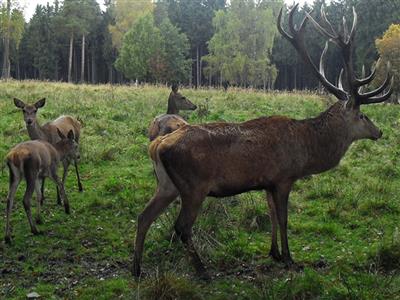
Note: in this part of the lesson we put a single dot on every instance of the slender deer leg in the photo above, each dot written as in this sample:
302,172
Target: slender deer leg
77,176
274,252
39,199
163,197
30,187
190,209
280,198
42,191
14,182
60,190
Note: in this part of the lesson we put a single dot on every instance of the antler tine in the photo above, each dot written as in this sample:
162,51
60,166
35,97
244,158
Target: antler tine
379,99
297,40
353,28
370,77
340,80
381,89
280,28
346,36
320,28
322,59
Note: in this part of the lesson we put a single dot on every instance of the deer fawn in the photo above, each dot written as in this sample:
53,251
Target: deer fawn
35,160
48,131
171,121
268,153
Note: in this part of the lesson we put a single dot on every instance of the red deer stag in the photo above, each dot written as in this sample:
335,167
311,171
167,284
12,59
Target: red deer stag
268,153
33,161
171,121
48,132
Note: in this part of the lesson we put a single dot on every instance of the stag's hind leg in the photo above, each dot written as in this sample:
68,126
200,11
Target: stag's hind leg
14,182
274,252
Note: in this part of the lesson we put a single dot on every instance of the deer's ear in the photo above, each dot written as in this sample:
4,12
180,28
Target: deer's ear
174,88
40,103
60,134
71,135
19,103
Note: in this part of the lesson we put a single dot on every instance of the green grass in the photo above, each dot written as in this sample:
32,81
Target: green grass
343,224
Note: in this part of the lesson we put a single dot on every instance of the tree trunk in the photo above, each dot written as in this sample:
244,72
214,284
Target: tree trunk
94,79
6,52
71,43
83,60
197,66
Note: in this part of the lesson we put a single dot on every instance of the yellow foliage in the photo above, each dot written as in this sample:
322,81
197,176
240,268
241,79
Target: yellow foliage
126,14
389,49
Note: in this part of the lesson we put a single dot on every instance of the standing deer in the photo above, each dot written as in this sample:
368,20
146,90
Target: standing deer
48,132
171,121
33,161
268,153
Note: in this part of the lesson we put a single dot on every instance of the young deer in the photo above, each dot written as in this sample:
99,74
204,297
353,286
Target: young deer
33,161
268,153
171,121
48,131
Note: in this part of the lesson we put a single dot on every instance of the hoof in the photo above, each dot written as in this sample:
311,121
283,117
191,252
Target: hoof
39,221
67,210
80,188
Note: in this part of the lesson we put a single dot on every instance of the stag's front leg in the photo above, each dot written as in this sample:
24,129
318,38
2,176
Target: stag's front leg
280,198
274,252
183,227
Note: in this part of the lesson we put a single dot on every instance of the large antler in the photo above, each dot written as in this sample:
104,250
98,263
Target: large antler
344,41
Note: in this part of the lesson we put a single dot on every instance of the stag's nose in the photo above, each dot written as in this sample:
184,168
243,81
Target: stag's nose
29,121
194,107
380,133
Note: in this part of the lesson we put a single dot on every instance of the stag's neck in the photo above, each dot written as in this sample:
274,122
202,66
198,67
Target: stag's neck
329,139
36,132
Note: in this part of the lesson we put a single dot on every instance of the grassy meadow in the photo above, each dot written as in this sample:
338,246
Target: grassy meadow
343,224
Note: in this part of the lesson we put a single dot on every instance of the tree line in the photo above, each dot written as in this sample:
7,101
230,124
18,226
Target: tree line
192,42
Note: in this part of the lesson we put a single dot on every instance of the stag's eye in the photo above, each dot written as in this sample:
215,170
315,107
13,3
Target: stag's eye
361,117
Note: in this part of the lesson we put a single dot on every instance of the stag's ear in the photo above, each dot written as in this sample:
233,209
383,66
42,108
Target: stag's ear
19,103
40,103
60,134
71,135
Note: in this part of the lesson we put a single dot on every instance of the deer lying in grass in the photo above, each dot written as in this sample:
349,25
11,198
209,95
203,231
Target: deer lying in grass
171,121
48,132
268,153
33,161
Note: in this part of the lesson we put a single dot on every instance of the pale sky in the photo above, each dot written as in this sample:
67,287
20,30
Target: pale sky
30,5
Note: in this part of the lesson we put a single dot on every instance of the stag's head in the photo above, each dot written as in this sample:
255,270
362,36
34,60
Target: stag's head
177,102
349,89
69,146
29,111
